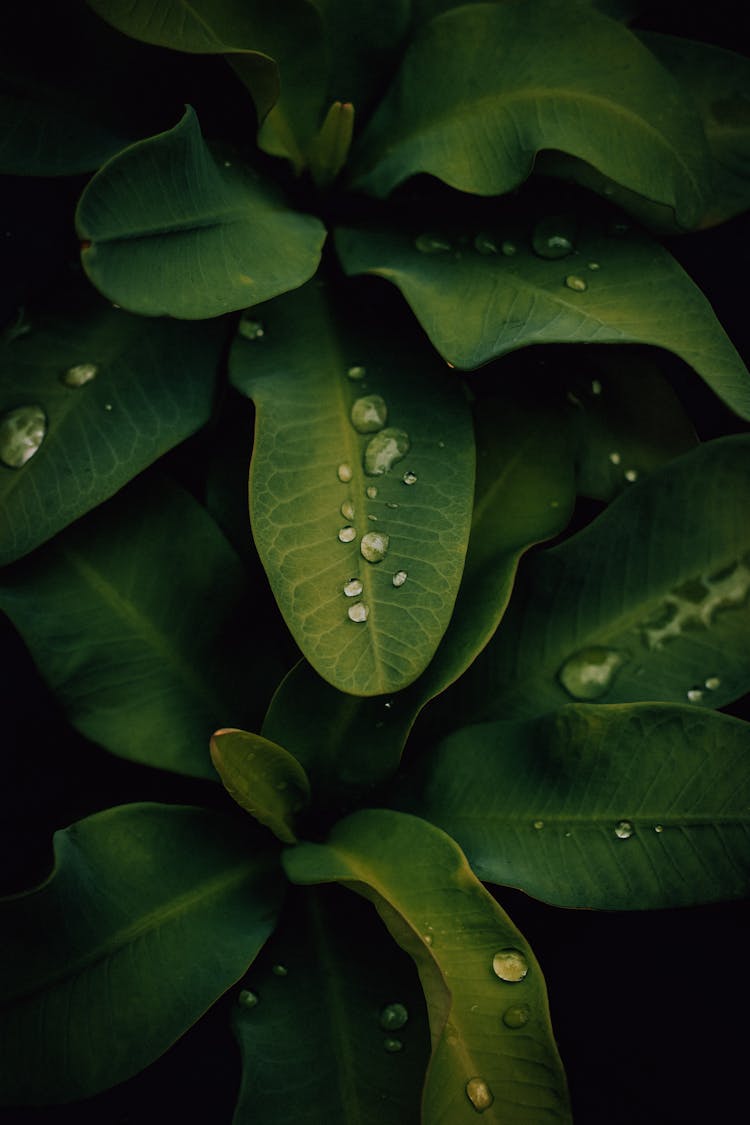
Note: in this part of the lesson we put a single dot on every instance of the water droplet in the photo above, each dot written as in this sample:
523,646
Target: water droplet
374,546
615,458
516,1016
712,683
247,998
695,695
353,588
393,1016
658,828
371,491
539,824
409,477
508,248
590,673
358,612
372,517
596,387
22,431
250,328
390,505
356,372
392,1045
576,283
384,450
427,939
369,414
280,970
485,244
388,704
553,238
594,266
432,244
80,374
399,578
347,510
631,475
347,534
623,830
344,473
510,965
479,1094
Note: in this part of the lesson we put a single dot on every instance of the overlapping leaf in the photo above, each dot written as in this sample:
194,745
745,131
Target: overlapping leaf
308,467
481,293
152,385
624,807
167,231
263,778
484,87
152,911
492,1045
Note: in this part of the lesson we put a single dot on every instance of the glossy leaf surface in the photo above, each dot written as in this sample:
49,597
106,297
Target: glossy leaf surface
309,464
625,807
262,778
485,1029
474,102
478,304
153,386
167,231
151,912
324,982
128,616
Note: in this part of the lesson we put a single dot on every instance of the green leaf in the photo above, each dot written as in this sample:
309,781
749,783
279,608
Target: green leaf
136,618
313,1047
485,1029
151,912
331,146
305,449
649,602
476,304
167,231
484,87
154,385
626,807
263,778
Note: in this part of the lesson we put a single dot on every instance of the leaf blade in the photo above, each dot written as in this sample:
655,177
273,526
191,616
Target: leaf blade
262,778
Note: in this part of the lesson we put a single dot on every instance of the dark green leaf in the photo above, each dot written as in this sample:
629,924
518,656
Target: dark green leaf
484,87
491,1035
167,231
136,618
477,302
152,911
153,386
626,807
263,778
309,465
323,1042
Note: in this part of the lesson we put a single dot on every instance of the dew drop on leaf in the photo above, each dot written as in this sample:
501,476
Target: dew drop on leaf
590,673
576,283
399,578
356,372
393,1017
485,244
247,998
694,695
432,244
347,534
384,450
374,546
631,475
22,431
409,477
510,965
596,387
347,510
371,491
80,374
623,830
353,588
479,1094
553,238
516,1016
358,612
369,414
594,266
250,328
392,1045
344,473
712,683
508,248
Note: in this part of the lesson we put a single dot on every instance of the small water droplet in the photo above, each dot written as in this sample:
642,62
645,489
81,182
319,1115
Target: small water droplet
399,578
712,683
631,475
22,431
347,510
390,505
373,518
108,407
479,1094
353,588
553,238
576,283
374,546
539,824
371,491
485,244
392,1045
80,374
596,387
393,1017
427,939
356,372
369,414
358,612
615,457
347,534
658,828
623,830
388,704
591,672
344,473
280,970
432,244
247,998
508,248
510,965
384,450
695,695
409,477
594,266
516,1016
250,328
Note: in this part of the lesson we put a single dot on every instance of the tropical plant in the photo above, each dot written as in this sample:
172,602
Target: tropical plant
498,497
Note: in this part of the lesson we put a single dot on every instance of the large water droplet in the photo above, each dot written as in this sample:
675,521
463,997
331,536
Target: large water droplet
356,372
399,578
516,1016
591,672
353,588
347,534
623,830
347,510
576,283
358,612
80,374
384,450
371,492
22,431
485,244
344,473
250,328
479,1094
409,477
374,546
393,1017
247,998
510,965
553,238
392,1045
432,244
369,414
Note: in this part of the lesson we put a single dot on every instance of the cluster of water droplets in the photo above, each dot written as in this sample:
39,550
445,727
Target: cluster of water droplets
693,605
